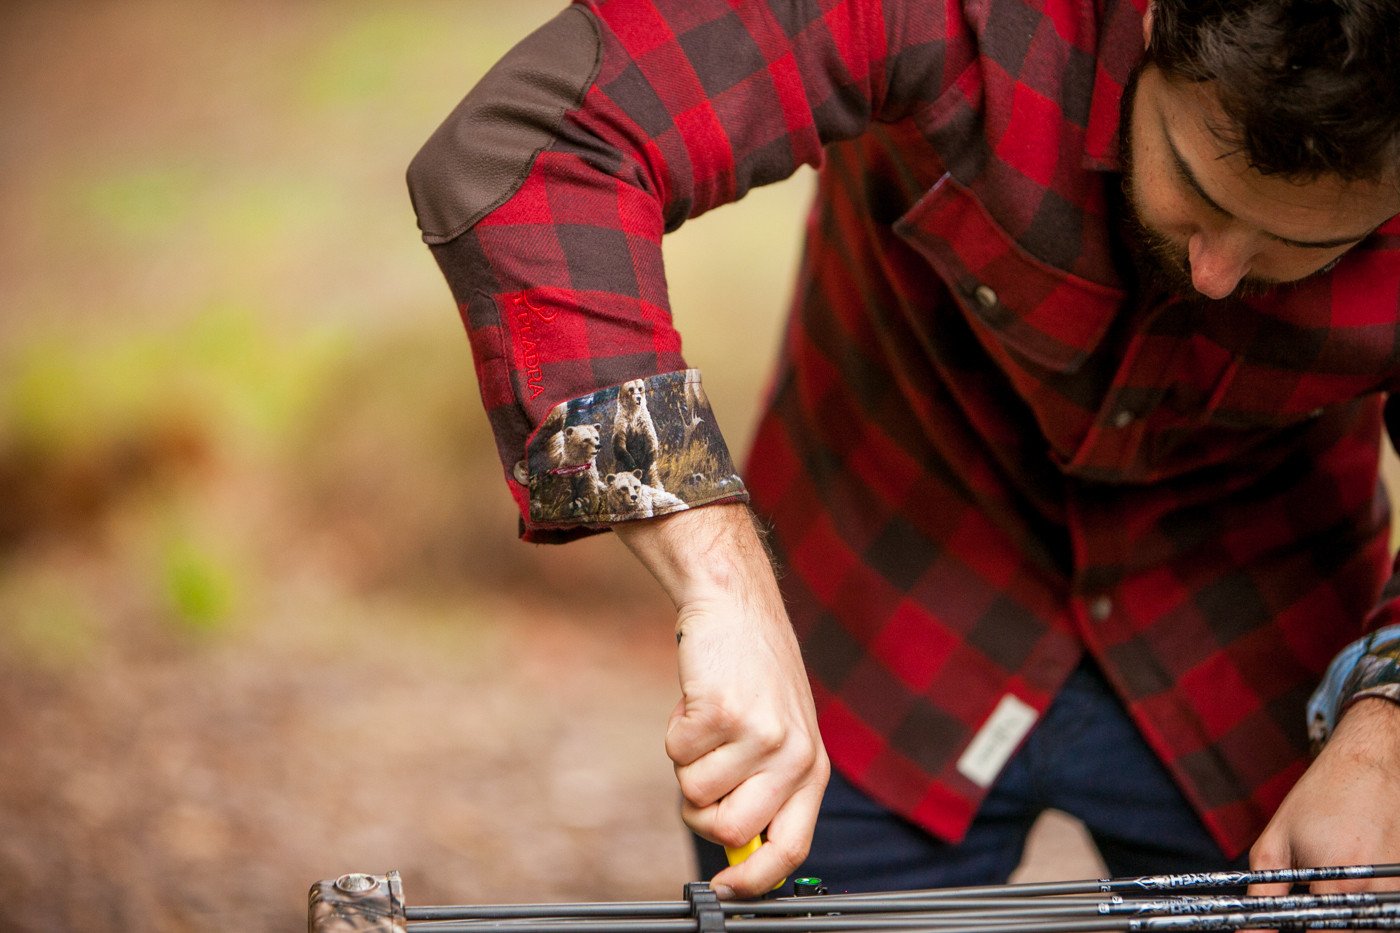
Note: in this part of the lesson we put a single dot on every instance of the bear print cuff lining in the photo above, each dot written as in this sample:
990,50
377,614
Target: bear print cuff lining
1368,667
645,448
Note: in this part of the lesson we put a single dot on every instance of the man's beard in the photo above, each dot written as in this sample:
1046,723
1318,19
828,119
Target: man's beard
1161,263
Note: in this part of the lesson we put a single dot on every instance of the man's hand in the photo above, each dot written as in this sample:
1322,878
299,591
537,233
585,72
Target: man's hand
744,735
1346,808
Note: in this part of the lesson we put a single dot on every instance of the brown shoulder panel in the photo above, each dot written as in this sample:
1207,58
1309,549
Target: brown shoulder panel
481,154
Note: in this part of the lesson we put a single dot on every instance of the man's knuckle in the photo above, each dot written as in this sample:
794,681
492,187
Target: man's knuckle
1268,851
695,788
802,768
769,735
695,821
813,762
699,793
675,749
692,797
729,832
792,855
713,718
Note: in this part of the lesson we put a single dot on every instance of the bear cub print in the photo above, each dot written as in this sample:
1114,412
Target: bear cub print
573,453
634,449
629,497
634,434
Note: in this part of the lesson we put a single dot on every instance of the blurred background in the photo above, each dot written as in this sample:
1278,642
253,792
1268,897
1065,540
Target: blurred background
263,615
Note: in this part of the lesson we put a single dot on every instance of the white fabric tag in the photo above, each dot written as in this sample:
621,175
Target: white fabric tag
996,740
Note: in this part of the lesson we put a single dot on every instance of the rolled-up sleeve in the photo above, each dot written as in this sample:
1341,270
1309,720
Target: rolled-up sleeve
545,195
1368,667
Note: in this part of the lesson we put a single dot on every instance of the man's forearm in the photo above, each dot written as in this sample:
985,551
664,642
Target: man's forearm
744,735
703,554
1372,724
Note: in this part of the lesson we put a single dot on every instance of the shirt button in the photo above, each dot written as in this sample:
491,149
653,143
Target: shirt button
985,297
1123,419
1100,608
521,473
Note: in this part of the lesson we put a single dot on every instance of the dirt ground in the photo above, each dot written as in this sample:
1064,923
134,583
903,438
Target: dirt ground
173,788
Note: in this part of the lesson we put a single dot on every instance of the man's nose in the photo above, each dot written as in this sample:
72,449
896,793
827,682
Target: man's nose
1218,263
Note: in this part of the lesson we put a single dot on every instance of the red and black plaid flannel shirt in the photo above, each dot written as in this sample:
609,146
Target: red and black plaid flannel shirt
987,451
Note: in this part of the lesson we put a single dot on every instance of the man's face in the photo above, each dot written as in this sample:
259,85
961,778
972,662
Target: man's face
1207,223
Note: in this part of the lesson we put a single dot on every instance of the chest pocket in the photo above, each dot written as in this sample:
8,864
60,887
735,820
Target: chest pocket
1038,324
1123,393
1044,315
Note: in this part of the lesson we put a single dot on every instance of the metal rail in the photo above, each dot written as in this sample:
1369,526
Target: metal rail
363,903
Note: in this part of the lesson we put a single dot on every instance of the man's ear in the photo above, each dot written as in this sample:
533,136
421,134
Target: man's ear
1147,24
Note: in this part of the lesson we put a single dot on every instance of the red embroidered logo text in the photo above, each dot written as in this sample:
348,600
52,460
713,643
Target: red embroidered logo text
525,316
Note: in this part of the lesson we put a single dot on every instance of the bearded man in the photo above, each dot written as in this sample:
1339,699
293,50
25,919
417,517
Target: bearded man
1071,456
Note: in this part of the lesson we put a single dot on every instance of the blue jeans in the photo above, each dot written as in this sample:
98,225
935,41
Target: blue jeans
1084,757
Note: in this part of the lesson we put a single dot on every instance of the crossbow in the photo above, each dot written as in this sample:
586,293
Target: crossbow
366,903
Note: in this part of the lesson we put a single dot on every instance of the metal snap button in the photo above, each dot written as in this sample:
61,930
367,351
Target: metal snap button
1101,608
985,297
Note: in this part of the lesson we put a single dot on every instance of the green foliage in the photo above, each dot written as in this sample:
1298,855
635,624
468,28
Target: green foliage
143,204
383,52
118,435
222,369
198,587
365,58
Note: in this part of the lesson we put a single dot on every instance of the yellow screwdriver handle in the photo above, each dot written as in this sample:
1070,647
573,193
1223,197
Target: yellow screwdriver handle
737,854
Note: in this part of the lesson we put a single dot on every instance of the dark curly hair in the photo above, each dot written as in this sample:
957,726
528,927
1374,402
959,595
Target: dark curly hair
1311,87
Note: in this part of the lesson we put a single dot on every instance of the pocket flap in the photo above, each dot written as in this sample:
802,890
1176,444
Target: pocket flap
1047,315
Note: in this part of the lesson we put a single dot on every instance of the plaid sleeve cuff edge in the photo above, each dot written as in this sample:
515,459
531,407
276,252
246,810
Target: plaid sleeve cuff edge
1368,667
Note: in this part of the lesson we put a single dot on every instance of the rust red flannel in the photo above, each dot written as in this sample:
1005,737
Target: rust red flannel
987,451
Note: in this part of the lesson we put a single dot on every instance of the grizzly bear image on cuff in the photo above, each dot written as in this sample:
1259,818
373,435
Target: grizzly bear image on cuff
644,448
